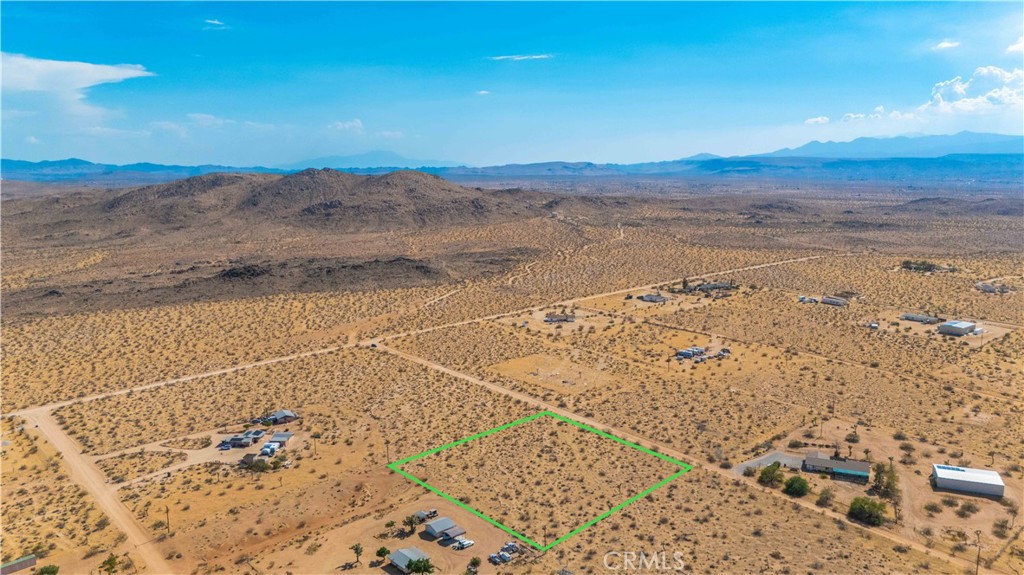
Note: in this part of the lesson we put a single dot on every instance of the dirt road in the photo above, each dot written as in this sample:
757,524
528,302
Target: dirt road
83,472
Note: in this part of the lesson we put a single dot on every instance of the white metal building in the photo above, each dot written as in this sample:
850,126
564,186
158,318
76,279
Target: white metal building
968,480
957,327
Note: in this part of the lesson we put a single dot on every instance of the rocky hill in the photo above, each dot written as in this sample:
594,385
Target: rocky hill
318,198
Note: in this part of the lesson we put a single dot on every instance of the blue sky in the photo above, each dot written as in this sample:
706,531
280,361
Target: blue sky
493,83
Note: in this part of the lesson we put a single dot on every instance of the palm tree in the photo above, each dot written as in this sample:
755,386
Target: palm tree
358,550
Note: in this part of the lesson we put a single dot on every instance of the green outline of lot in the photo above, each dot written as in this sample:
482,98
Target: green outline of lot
397,467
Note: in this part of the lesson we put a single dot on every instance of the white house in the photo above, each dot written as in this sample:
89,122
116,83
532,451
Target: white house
980,481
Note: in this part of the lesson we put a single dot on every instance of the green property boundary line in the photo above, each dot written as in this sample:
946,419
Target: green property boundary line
683,468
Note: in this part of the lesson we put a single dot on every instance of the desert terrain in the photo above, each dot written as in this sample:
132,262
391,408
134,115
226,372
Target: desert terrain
395,314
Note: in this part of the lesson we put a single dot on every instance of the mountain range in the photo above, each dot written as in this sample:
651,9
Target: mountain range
966,156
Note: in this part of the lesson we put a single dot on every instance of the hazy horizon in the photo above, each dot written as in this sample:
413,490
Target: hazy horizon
489,84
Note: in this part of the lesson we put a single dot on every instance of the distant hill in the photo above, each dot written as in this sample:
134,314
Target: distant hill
74,170
907,147
375,159
966,157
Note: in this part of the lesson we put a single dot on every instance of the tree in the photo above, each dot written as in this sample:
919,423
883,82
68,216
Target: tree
771,475
48,570
411,522
358,550
420,566
796,486
382,553
109,564
867,510
475,562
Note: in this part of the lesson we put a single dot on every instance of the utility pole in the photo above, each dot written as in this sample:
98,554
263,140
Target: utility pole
977,562
167,517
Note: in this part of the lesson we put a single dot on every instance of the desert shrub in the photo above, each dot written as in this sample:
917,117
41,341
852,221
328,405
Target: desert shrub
826,497
933,507
967,508
852,438
867,510
796,487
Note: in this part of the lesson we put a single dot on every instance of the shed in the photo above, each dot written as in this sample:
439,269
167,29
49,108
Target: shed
968,480
438,526
957,328
281,437
453,532
402,557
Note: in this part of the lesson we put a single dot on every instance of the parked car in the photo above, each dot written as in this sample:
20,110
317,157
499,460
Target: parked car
494,559
431,513
505,557
463,544
510,547
224,447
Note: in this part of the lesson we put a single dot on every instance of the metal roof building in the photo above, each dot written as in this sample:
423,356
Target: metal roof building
920,318
968,480
402,557
851,469
957,327
438,526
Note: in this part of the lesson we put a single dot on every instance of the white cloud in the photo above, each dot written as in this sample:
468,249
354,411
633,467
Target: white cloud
817,120
354,125
31,140
1018,46
67,81
902,116
851,117
172,127
946,45
207,120
877,113
482,92
215,24
989,89
521,57
391,134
